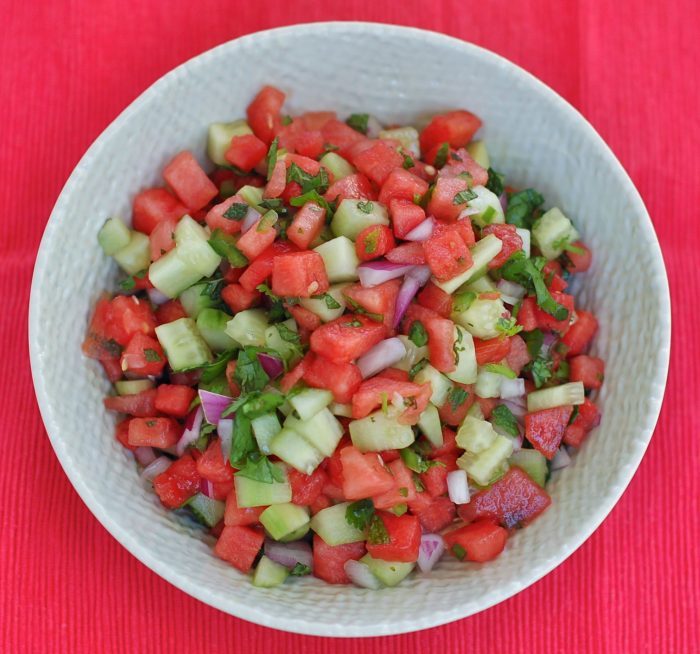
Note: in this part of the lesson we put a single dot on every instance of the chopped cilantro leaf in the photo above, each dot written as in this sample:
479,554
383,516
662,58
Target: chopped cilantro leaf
352,323
359,514
495,182
152,355
211,371
459,551
500,369
464,196
287,334
408,162
287,120
129,284
259,468
521,207
541,370
249,374
212,289
377,535
417,367
462,301
415,461
225,246
236,211
456,397
508,326
318,182
564,243
271,157
314,196
242,443
331,302
417,334
300,570
365,206
534,340
503,417
441,155
276,204
358,122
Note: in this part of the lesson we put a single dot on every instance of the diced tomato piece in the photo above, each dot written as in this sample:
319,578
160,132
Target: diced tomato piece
513,500
454,127
246,151
231,379
434,298
154,205
546,321
304,317
174,399
445,202
364,475
239,546
405,216
170,311
480,541
408,253
487,405
401,184
374,242
309,143
154,432
329,561
579,335
518,356
404,489
579,261
447,254
491,350
239,298
462,227
256,239
404,538
295,374
396,375
340,135
143,356
215,218
455,409
212,465
372,391
130,316
342,379
178,483
347,337
186,177
441,338
460,162
416,312
379,300
162,238
308,223
264,112
435,478
121,433
220,490
277,182
306,488
100,342
527,317
589,370
112,368
377,161
315,120
353,187
261,268
587,417
510,239
545,429
434,513
141,405
235,516
299,274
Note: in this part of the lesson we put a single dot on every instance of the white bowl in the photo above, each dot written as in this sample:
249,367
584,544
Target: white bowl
400,75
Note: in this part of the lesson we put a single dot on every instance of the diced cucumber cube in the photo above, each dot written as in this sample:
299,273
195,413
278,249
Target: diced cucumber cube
552,232
320,307
208,511
288,350
484,466
322,431
440,384
252,195
533,463
183,344
248,327
192,246
465,371
475,435
265,427
549,398
212,326
133,386
477,151
219,139
481,318
338,166
269,573
482,252
342,410
171,275
524,235
488,206
294,449
113,236
350,218
429,424
330,524
310,401
482,285
475,411
413,355
193,300
407,136
488,383
390,573
284,520
135,256
250,492
340,259
378,432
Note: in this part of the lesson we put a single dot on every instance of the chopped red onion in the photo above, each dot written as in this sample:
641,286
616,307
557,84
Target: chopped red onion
373,127
155,296
272,365
503,197
361,575
373,273
145,455
561,459
185,378
432,547
206,488
416,278
421,232
225,431
548,341
512,388
155,468
517,406
289,554
213,405
383,355
192,426
249,219
458,486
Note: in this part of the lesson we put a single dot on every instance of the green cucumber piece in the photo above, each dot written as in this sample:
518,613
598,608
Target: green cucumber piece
113,236
252,195
525,236
488,206
319,305
248,327
133,386
183,344
265,427
481,318
488,383
294,449
219,139
475,411
488,464
378,432
407,136
171,274
212,326
340,259
342,410
349,220
552,232
250,492
533,463
192,246
482,252
482,285
477,151
308,402
475,435
269,573
549,398
440,384
193,300
465,371
284,520
208,511
336,165
413,355
390,573
289,351
330,524
430,425
322,431
135,256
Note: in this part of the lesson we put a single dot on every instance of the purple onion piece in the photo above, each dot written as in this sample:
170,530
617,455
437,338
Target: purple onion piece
289,554
373,273
432,547
414,280
192,426
155,468
361,575
213,405
271,365
383,355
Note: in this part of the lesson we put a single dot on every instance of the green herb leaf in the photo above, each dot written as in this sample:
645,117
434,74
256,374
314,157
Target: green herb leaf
377,317
403,491
243,443
259,468
288,335
331,302
237,211
300,570
258,404
441,155
308,182
459,551
211,371
503,417
416,368
508,326
417,334
456,397
129,284
500,369
268,221
462,301
358,122
413,460
359,514
534,341
464,196
377,535
250,375
495,182
408,162
521,207
212,289
541,371
365,206
274,204
152,355
315,196
225,246
564,243
271,157
352,323
287,120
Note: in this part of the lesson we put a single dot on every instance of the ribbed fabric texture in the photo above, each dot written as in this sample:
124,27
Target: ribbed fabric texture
68,68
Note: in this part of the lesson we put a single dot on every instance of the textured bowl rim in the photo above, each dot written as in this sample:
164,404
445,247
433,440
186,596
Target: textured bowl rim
178,577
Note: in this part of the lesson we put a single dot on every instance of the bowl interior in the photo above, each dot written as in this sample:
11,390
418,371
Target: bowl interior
400,75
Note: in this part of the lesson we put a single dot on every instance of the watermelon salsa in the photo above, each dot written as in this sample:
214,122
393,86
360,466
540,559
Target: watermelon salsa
348,349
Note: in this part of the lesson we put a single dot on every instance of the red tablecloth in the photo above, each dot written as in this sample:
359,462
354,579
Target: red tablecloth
68,68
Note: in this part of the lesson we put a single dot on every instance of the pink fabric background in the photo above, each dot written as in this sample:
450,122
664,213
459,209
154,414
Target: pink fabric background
68,68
